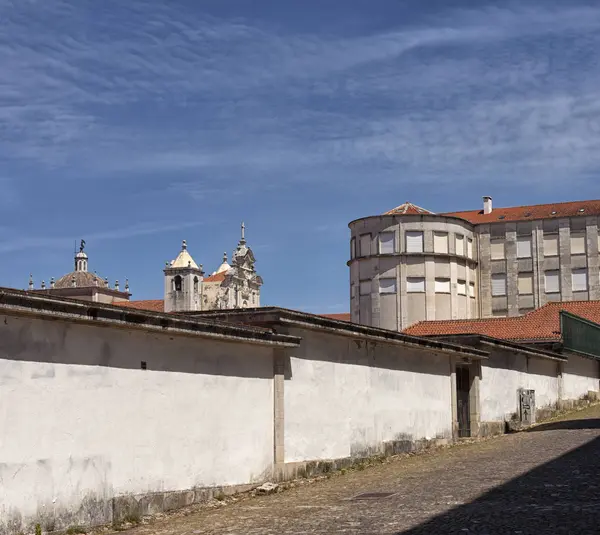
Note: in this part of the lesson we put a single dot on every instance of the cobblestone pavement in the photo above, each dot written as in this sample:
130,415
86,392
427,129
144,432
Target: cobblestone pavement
543,481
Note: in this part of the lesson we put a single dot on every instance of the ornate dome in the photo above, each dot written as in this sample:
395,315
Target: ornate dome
83,279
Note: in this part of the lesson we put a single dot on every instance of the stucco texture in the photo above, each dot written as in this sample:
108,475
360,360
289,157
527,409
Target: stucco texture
580,376
345,398
505,373
82,422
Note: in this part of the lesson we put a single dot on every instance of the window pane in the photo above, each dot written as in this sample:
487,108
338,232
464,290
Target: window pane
497,250
499,284
551,245
461,287
442,285
470,248
414,242
552,282
440,242
365,287
579,277
472,289
524,247
387,286
577,243
386,243
415,284
460,245
525,283
365,245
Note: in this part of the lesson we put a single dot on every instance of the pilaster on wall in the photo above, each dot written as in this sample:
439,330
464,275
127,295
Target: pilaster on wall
484,290
593,261
512,270
538,264
564,251
279,358
430,287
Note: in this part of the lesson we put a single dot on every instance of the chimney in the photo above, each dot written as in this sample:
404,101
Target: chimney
487,205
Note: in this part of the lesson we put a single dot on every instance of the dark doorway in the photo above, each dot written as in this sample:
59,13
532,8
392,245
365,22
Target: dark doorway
463,386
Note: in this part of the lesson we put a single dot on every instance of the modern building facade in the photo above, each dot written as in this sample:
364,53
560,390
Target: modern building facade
411,265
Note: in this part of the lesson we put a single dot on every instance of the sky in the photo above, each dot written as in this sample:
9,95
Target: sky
135,125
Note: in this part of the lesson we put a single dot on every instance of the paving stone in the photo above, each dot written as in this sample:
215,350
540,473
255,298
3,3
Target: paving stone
541,481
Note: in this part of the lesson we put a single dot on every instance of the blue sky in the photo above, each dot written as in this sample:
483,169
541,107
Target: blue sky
138,124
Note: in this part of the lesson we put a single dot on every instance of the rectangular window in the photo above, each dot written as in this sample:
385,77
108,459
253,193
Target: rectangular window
470,248
524,247
365,245
551,245
442,286
577,243
353,248
461,287
440,242
579,277
460,245
471,289
499,284
525,283
387,286
415,284
365,288
387,243
497,249
552,281
414,242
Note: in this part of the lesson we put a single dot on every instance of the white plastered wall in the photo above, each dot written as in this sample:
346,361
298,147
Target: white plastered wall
81,421
345,398
580,376
505,373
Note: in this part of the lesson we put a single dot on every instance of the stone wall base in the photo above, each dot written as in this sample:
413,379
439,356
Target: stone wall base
491,429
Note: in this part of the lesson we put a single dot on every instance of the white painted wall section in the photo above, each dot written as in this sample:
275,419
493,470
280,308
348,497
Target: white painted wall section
580,375
344,400
201,415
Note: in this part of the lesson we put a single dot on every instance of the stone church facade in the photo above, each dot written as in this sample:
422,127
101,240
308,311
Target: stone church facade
187,288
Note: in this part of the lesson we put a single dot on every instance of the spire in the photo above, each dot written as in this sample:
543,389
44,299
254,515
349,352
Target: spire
81,259
243,240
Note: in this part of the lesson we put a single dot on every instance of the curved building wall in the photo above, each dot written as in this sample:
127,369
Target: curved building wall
409,268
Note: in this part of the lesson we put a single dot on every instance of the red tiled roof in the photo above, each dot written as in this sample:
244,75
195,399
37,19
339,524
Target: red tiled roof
217,277
408,208
152,305
345,316
540,324
526,213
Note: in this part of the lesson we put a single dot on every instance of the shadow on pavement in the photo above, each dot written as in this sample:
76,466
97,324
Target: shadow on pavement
589,423
561,496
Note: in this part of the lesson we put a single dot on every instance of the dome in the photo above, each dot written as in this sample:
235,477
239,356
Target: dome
83,279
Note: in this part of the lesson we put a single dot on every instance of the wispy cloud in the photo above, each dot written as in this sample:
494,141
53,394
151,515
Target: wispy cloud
142,229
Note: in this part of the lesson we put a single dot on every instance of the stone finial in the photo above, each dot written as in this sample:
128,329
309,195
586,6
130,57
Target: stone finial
243,232
183,245
51,282
117,285
225,256
126,285
31,281
106,282
73,281
43,285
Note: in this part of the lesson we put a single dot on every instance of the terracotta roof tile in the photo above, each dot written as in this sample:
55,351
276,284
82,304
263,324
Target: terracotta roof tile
408,208
152,305
540,324
217,277
344,316
527,213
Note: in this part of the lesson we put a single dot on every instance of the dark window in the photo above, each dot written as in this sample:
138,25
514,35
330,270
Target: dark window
144,365
177,283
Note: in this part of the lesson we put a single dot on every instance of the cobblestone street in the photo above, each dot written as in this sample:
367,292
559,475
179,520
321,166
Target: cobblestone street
542,481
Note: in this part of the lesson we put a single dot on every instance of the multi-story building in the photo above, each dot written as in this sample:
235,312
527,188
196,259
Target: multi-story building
410,264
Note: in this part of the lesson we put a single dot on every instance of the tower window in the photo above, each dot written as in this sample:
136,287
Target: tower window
178,283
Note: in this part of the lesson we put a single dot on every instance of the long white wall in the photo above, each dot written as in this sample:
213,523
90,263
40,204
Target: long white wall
580,376
345,398
505,373
81,422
